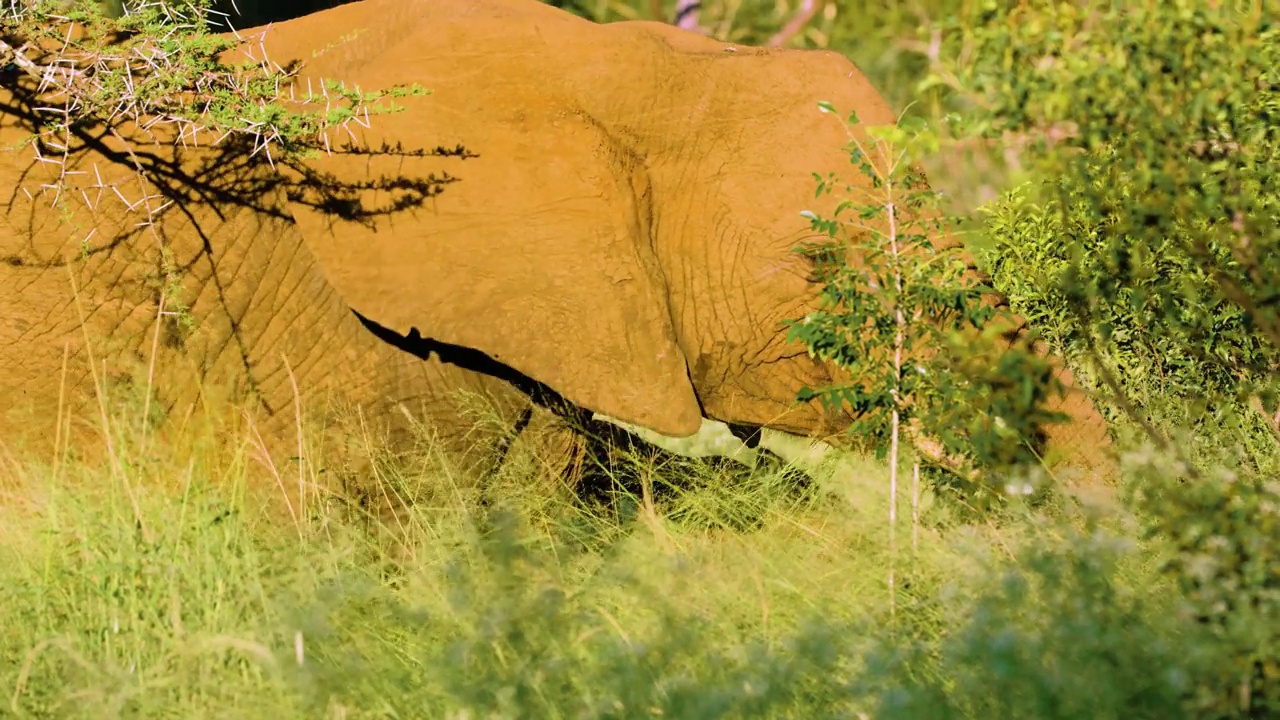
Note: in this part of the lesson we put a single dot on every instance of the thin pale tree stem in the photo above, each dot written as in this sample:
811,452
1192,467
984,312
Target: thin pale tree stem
915,508
899,339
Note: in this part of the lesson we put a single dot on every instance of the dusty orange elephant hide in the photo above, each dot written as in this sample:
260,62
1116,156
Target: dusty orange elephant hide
605,213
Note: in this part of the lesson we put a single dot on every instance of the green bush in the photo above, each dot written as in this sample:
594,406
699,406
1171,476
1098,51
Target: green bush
903,315
1148,248
1055,636
1145,246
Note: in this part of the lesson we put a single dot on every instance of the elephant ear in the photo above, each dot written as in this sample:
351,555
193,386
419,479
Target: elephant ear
525,239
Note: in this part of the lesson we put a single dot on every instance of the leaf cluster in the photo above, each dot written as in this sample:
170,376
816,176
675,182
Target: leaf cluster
1150,241
909,323
157,72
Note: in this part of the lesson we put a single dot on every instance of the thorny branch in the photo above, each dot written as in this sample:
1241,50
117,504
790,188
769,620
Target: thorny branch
157,72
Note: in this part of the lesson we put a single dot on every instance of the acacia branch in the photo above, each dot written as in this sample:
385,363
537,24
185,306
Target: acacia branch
107,73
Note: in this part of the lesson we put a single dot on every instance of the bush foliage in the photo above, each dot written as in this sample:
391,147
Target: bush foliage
909,322
1144,243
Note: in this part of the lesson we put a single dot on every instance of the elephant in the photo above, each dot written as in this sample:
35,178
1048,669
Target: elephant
576,218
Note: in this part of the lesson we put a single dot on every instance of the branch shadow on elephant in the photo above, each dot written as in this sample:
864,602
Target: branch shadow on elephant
205,213
230,174
611,469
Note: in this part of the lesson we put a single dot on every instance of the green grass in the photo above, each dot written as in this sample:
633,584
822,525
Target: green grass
182,577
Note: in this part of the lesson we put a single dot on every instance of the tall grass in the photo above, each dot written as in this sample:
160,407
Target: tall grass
412,589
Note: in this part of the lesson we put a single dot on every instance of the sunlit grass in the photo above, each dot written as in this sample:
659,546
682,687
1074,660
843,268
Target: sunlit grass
183,577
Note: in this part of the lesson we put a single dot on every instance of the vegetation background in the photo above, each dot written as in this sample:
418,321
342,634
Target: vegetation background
1125,157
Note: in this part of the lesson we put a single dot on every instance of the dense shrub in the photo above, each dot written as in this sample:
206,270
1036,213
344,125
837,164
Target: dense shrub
1145,245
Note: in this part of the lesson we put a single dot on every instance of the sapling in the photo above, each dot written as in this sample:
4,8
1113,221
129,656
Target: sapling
898,310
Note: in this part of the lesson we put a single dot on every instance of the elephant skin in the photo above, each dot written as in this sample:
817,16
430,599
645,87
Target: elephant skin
636,194
598,217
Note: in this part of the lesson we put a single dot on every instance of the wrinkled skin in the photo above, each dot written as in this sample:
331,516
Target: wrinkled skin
261,308
634,203
615,237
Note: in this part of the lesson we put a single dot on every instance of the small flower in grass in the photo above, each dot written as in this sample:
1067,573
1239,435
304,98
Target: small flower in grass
1023,488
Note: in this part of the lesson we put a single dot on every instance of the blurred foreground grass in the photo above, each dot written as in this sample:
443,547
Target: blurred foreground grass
179,575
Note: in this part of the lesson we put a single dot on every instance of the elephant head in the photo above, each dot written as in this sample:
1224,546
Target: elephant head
625,209
604,212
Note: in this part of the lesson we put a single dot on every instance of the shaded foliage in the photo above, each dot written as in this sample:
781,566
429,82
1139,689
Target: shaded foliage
1145,244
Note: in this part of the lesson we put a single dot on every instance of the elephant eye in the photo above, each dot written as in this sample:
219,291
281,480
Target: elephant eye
824,260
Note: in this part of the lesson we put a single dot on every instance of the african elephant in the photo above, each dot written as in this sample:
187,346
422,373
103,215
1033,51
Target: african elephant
598,217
